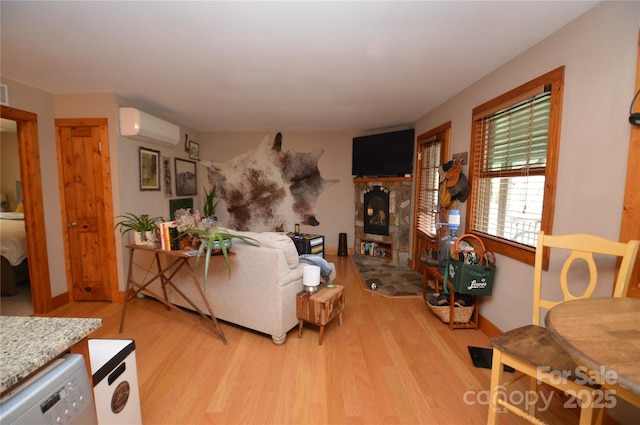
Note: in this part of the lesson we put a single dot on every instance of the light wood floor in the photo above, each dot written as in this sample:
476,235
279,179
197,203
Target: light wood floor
392,362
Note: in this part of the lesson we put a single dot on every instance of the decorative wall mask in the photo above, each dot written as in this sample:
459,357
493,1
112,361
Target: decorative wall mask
266,188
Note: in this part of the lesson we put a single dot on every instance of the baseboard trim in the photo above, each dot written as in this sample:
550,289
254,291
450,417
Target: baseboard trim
488,328
334,251
59,300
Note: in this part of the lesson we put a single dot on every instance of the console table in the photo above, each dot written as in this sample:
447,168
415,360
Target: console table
178,259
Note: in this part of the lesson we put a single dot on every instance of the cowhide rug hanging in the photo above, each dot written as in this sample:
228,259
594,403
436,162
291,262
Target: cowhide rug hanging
267,189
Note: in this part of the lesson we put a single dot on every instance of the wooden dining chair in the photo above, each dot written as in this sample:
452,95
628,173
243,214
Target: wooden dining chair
531,350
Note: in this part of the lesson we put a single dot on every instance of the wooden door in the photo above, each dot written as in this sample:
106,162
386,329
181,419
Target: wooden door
86,208
31,177
630,227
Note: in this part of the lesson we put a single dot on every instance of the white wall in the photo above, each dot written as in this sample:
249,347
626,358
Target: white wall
127,186
599,52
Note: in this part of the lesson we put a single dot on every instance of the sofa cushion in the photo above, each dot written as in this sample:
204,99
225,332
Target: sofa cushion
280,241
276,241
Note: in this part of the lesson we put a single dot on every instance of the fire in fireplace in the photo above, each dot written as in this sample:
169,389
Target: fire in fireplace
376,211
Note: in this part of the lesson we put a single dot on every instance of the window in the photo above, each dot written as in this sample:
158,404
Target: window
513,166
429,161
432,148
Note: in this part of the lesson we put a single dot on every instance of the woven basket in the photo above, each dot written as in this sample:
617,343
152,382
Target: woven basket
461,314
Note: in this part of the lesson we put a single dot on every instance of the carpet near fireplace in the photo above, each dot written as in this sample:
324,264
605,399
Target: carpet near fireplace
391,280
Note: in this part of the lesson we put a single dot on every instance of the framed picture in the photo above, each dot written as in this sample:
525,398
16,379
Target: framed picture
176,204
149,169
186,178
167,176
194,150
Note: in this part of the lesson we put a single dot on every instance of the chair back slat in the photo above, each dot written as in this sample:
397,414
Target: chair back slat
581,247
564,275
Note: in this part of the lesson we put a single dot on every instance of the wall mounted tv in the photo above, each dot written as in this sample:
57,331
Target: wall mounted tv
383,155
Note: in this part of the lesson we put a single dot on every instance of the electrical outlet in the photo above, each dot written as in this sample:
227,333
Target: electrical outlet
462,158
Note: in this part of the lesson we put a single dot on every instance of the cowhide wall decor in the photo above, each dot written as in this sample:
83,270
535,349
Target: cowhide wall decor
267,189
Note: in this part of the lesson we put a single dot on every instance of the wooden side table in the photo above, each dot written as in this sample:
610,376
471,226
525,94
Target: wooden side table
320,307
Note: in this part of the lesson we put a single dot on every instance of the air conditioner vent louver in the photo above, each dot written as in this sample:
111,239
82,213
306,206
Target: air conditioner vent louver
147,128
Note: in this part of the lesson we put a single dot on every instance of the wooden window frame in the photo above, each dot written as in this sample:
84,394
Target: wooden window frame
440,134
505,247
430,142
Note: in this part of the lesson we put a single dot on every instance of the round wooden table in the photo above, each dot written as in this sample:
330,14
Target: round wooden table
603,335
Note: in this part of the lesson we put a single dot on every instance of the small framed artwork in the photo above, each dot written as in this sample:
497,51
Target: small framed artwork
167,176
186,178
149,169
176,204
194,150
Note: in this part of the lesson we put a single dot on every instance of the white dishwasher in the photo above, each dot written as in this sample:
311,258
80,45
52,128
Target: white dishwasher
60,393
115,381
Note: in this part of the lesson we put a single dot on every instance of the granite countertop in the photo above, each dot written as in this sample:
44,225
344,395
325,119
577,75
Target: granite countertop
28,343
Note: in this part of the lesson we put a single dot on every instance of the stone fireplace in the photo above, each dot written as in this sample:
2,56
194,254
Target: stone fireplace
376,211
390,233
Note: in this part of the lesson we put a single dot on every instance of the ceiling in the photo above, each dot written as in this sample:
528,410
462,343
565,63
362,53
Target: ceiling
264,66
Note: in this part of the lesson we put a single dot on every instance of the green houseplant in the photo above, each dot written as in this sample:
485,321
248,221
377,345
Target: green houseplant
209,237
143,225
218,239
213,240
209,207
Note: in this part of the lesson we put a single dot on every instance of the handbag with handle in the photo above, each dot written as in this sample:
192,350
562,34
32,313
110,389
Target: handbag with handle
470,271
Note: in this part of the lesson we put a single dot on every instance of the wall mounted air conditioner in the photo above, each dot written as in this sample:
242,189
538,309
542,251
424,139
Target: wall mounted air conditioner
142,126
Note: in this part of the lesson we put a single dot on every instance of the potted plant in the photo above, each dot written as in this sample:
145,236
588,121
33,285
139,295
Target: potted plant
210,238
218,239
143,227
209,207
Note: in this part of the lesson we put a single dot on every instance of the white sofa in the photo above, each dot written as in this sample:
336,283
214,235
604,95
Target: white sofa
260,293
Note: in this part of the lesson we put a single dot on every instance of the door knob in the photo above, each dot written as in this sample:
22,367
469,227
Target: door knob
74,224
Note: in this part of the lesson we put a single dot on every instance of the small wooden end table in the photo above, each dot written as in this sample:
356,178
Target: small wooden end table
320,307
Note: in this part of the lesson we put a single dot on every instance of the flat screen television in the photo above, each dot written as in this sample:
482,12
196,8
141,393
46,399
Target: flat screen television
383,155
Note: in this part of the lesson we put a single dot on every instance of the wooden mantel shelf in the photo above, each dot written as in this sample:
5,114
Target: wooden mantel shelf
381,179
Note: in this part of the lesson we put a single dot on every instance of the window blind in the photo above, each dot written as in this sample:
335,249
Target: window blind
517,138
428,188
511,146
